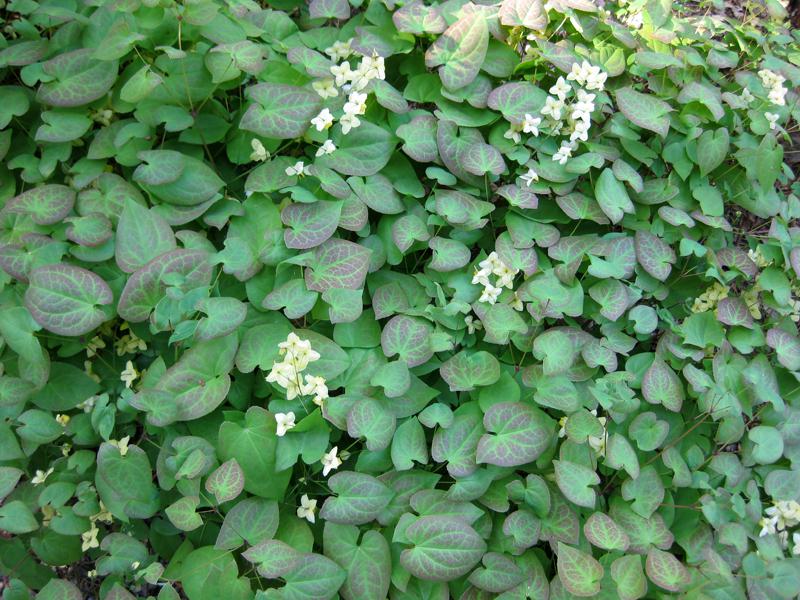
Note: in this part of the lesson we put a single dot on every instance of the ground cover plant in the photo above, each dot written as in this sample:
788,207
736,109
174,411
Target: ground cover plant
399,300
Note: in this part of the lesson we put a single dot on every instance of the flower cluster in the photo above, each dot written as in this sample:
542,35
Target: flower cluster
567,111
781,516
259,153
492,265
89,537
349,81
297,354
129,343
773,82
710,298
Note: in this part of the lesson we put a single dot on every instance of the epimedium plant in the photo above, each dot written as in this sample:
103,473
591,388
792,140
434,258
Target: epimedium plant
406,300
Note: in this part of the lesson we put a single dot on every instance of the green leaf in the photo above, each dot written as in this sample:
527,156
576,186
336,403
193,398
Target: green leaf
368,563
226,482
712,149
602,531
498,573
141,236
362,152
182,515
627,573
575,481
519,433
443,548
224,315
466,370
338,264
409,338
46,204
177,179
530,14
210,573
644,110
252,520
661,385
579,572
67,300
199,381
409,445
655,256
359,498
280,111
480,159
315,577
66,387
16,518
59,589
274,558
612,196
253,443
125,483
77,79
311,224
666,571
460,50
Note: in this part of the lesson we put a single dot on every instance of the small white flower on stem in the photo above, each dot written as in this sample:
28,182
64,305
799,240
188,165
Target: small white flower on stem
330,461
328,147
326,88
513,133
561,88
490,294
259,153
472,324
772,119
299,169
129,375
121,445
89,538
323,120
315,386
553,107
348,122
564,153
531,124
284,422
41,476
341,73
339,50
530,177
516,303
307,508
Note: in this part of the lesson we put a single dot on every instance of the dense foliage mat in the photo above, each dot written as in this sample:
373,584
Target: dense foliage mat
398,300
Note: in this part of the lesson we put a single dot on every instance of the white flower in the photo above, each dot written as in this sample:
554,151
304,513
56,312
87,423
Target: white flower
284,422
580,131
553,107
94,345
747,97
562,422
777,96
326,88
341,73
63,420
356,104
327,147
259,153
767,526
561,88
41,476
299,169
481,276
796,542
530,177
339,50
587,75
564,153
323,120
121,445
129,375
472,324
635,20
330,461
89,538
596,79
505,275
586,100
490,294
772,119
349,122
513,133
531,124
307,508
516,303
281,373
491,262
315,386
